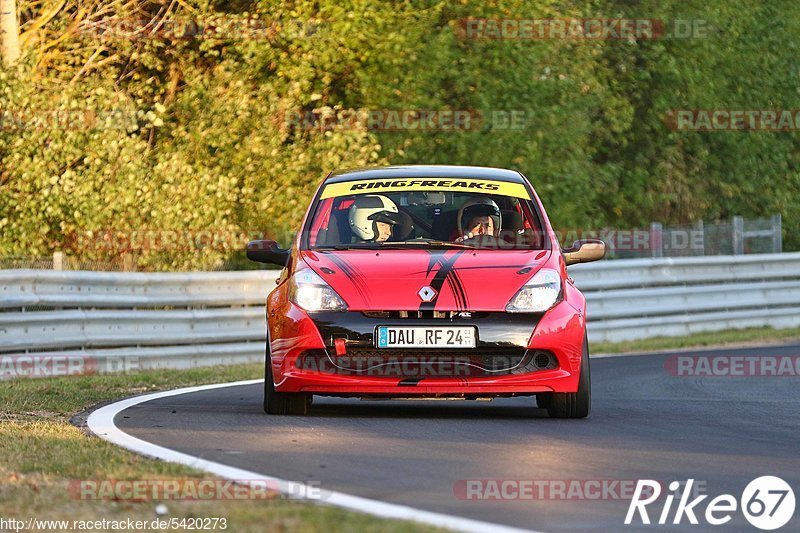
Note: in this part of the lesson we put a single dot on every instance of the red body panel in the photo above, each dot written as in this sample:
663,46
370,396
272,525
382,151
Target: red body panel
481,280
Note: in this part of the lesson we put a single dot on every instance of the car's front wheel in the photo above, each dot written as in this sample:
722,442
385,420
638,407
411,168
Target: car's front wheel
282,403
573,404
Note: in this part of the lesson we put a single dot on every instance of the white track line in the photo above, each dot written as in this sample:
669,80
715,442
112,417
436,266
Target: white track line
101,423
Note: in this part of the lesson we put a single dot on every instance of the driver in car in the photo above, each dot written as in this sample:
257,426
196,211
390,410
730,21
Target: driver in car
478,217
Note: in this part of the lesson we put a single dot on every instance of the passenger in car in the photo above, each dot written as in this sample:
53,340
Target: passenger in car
371,218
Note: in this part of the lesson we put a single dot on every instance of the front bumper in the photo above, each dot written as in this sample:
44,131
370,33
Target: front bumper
504,361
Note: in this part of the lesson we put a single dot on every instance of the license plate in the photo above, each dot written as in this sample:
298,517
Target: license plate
426,337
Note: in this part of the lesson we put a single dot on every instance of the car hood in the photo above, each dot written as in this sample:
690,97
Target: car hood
391,280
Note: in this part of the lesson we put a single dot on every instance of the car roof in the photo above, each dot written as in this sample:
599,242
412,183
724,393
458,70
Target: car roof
425,171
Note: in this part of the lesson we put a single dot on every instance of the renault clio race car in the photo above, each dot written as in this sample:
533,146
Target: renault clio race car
426,281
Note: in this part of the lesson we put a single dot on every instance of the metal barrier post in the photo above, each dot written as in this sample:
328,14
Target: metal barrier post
656,240
777,233
701,232
738,236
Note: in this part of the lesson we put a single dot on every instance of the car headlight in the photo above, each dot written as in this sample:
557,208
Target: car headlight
538,295
310,292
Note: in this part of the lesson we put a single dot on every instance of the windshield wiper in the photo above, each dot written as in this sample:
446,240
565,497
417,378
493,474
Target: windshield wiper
342,247
427,244
399,244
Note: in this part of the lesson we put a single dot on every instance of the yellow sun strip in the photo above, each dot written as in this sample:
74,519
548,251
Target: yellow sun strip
373,186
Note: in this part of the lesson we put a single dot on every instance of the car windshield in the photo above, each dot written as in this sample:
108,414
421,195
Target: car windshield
430,213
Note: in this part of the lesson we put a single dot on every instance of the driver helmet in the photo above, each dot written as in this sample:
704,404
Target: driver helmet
367,210
479,207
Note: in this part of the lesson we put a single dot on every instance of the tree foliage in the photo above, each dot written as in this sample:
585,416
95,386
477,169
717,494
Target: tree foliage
129,115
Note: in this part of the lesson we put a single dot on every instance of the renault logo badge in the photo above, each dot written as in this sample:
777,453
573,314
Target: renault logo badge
427,294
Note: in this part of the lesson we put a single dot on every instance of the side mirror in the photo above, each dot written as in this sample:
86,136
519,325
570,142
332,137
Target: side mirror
584,251
267,252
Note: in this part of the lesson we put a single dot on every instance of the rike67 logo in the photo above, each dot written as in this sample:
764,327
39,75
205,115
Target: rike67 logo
767,503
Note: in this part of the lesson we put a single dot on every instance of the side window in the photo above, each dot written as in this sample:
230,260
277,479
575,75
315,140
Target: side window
331,226
532,226
319,226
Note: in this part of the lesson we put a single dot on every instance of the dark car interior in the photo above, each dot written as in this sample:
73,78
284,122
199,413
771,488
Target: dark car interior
428,220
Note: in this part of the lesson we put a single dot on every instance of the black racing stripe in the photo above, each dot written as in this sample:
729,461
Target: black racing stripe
435,258
343,266
461,293
353,275
452,285
446,264
458,291
361,279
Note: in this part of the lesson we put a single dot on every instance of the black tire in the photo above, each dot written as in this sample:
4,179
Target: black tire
573,404
543,400
282,403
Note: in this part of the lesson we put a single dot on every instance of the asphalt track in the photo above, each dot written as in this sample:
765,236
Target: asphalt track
646,423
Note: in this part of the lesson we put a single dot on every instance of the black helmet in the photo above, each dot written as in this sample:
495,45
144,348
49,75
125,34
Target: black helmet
479,207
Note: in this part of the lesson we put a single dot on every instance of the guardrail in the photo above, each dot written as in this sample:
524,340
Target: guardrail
174,320
640,298
191,319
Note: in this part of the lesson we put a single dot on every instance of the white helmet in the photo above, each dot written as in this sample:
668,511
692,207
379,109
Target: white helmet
367,210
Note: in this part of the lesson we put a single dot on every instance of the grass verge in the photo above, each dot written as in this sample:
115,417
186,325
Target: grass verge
42,453
712,339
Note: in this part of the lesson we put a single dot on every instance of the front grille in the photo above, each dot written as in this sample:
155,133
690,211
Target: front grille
501,345
424,314
478,362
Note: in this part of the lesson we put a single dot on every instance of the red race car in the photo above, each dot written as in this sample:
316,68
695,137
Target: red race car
426,281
